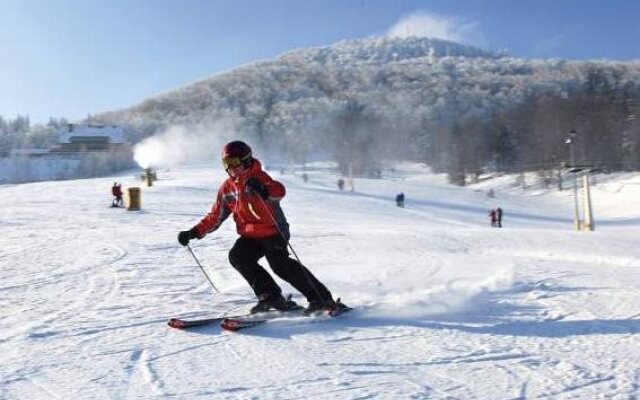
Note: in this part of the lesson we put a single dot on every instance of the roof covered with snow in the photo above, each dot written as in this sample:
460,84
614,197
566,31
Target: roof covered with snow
73,132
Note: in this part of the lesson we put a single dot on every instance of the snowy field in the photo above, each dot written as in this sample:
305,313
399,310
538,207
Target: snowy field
447,307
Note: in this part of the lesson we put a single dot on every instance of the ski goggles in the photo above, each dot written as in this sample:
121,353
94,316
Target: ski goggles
233,162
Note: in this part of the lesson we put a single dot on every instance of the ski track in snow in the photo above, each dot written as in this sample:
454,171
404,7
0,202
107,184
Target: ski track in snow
533,310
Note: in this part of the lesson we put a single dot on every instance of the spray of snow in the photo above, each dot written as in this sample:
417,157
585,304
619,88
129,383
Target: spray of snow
426,24
452,296
180,144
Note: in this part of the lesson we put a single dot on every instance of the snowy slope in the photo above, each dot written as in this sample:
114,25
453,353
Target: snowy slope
448,307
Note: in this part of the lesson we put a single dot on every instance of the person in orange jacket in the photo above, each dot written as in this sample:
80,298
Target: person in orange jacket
253,197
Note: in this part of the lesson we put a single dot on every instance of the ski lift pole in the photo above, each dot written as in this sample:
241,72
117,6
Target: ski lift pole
203,271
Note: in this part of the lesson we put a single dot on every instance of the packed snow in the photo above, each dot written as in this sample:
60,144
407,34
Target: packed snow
446,307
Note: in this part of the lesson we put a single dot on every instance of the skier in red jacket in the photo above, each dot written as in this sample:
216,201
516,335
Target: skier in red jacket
116,191
252,196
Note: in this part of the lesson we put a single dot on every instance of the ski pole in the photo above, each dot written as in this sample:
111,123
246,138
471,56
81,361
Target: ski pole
304,269
203,271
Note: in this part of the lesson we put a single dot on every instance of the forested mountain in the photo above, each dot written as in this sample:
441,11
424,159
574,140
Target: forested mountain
457,108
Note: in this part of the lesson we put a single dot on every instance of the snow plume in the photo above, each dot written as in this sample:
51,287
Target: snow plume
453,296
180,144
425,24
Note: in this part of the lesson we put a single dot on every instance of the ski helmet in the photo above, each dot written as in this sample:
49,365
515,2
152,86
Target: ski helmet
236,153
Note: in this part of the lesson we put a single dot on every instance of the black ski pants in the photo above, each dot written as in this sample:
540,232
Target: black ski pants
246,252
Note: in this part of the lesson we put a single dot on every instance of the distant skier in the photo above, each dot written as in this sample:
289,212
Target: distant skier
499,217
253,197
340,184
400,199
116,191
493,217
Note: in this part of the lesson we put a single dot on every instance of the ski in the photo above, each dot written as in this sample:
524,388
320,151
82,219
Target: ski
240,323
235,324
251,320
180,323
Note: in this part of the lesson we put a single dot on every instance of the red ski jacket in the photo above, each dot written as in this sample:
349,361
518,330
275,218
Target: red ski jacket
116,190
254,216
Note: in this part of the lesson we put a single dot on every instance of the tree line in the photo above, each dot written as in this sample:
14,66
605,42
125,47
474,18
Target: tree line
366,103
459,110
19,132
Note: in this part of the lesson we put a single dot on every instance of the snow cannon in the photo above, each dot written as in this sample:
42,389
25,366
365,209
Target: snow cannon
134,202
149,176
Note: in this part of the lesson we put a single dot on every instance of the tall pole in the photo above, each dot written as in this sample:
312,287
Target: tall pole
589,224
351,177
572,155
576,203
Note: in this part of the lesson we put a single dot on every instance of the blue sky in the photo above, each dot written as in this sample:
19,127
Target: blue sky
71,58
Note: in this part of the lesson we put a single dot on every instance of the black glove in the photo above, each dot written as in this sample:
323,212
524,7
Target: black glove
185,236
254,185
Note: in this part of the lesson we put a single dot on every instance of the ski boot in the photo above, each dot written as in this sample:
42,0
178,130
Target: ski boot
268,302
329,307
